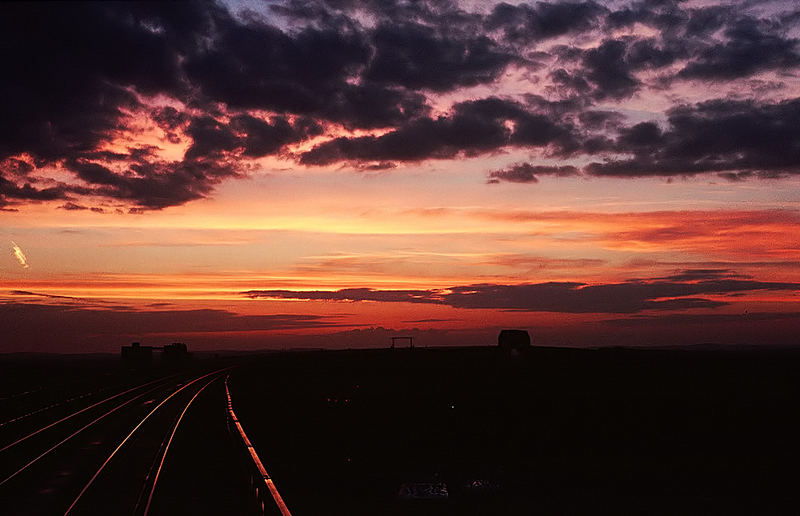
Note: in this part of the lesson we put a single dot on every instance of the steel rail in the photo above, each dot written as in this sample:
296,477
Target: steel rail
26,466
166,450
254,456
21,439
122,443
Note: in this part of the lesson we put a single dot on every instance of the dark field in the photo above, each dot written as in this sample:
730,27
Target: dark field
550,431
86,435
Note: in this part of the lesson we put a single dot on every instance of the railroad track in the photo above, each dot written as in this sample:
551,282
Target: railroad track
104,458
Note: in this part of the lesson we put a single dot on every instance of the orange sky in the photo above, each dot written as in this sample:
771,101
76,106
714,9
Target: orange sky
169,260
445,173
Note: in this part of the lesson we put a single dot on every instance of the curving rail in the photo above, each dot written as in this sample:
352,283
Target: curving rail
259,477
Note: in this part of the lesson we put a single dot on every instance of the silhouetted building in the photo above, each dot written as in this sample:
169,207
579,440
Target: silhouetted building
137,355
174,353
513,340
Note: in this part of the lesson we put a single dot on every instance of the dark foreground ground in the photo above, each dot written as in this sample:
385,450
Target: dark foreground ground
550,432
389,432
87,436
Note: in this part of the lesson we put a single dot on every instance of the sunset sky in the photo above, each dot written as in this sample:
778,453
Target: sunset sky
245,175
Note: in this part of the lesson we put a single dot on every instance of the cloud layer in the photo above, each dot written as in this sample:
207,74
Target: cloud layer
60,324
157,104
677,292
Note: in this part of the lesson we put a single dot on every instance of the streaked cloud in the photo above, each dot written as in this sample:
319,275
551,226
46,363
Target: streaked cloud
674,293
19,255
76,326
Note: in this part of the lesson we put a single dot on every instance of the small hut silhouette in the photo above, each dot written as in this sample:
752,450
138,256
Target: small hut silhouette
513,341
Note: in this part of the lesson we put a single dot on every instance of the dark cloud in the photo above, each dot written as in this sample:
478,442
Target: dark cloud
170,120
474,127
217,64
702,274
10,191
574,83
142,50
383,165
596,119
412,56
28,293
651,54
257,66
113,53
349,294
749,49
93,173
564,107
605,67
71,206
644,135
209,138
713,136
525,23
369,105
668,16
110,48
720,42
627,17
566,297
527,173
611,67
263,137
609,71
249,135
244,86
343,13
68,325
155,185
629,297
253,65
703,22
16,167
